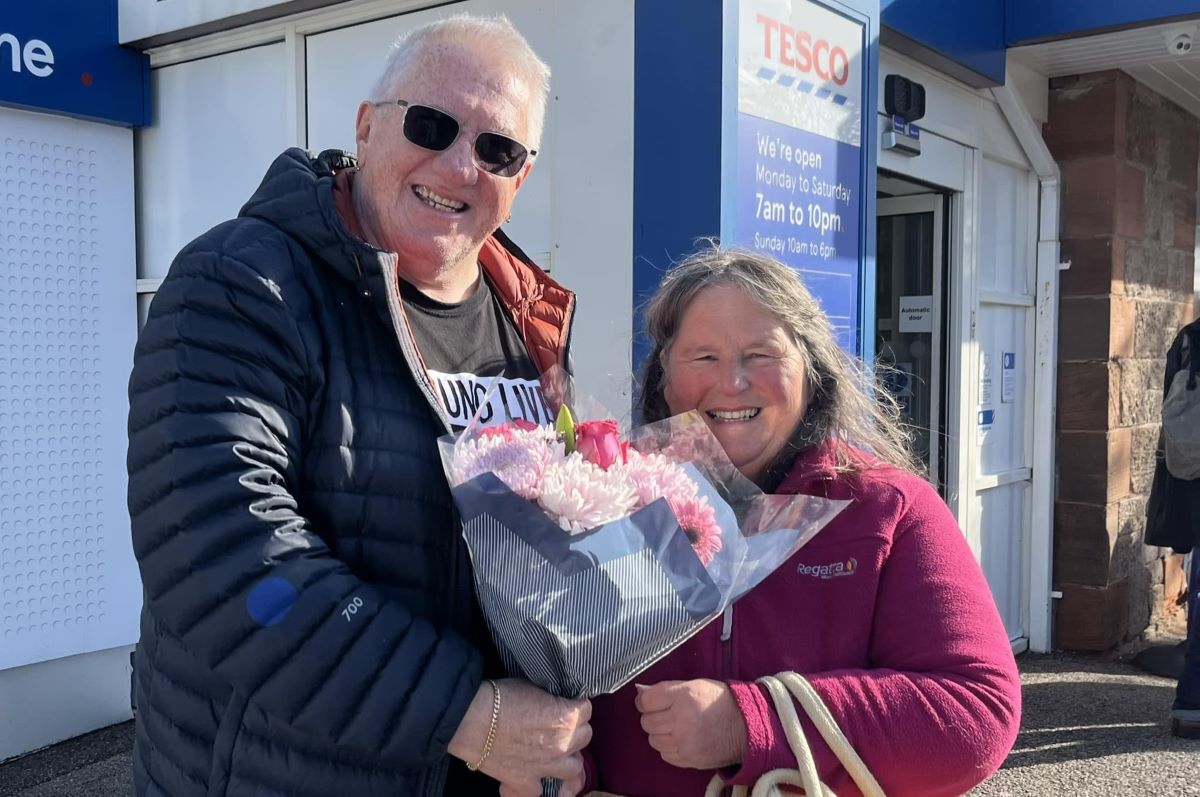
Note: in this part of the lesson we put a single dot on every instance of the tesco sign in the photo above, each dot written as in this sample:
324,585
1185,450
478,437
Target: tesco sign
800,50
35,55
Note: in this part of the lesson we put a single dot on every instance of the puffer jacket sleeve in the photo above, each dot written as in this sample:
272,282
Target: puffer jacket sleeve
230,565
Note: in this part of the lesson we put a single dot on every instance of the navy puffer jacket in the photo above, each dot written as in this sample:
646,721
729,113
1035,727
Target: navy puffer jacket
309,625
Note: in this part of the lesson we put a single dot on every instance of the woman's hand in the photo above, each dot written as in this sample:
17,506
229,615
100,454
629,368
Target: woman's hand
538,736
693,724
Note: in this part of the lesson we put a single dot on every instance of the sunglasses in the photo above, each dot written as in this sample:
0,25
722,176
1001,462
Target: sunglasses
434,129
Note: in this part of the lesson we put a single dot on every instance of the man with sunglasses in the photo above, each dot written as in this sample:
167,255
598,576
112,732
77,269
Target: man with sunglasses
309,624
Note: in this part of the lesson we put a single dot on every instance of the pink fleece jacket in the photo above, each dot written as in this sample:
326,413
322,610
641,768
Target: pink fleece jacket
887,614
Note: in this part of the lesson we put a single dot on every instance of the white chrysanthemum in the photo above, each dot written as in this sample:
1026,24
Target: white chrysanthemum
581,496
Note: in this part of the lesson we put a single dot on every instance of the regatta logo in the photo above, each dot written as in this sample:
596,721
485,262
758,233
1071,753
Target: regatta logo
826,572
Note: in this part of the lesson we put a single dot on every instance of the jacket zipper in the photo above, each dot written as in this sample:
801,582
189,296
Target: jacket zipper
408,346
435,779
564,356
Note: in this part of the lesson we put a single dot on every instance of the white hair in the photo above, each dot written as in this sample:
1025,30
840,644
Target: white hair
491,34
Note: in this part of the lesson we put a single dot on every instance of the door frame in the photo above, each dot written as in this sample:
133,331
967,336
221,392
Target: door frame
912,204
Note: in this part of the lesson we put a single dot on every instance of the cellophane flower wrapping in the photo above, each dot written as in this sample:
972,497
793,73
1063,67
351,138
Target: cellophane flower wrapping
589,573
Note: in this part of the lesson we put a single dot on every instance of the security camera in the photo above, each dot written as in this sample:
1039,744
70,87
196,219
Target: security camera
1179,42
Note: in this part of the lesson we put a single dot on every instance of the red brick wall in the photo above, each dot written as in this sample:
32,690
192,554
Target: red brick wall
1129,171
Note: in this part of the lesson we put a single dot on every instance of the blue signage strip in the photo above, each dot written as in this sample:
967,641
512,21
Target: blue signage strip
677,141
969,35
62,56
1035,20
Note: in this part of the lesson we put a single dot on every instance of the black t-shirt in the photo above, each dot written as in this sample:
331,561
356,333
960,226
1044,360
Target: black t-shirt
466,347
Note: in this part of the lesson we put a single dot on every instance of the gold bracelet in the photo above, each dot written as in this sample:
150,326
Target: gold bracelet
491,736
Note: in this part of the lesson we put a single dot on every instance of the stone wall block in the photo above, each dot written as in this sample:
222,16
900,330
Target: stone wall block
1183,139
1181,273
1131,200
1141,588
1143,457
1147,270
1185,218
1160,213
1080,386
1083,329
1085,537
1140,392
1153,554
1091,618
1089,197
1097,470
1097,266
1156,326
1122,326
1143,143
1131,520
1082,118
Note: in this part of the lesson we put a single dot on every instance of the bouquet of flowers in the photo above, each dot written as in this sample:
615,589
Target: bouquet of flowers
594,556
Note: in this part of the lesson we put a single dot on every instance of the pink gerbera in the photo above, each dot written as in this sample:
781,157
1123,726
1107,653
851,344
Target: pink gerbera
654,477
699,522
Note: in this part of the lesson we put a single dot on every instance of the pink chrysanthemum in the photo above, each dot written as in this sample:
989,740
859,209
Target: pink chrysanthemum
507,430
581,496
519,458
654,477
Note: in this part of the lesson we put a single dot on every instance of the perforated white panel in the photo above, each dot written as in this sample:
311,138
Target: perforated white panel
68,581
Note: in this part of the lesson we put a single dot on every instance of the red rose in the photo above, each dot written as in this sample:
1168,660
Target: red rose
599,442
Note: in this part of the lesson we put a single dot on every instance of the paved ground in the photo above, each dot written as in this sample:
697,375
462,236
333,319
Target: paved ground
95,765
1091,727
1095,727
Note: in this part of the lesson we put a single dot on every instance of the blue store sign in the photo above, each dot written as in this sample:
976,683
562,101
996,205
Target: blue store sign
62,56
797,171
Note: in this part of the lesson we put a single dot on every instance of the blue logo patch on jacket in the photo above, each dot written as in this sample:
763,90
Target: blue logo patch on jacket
270,600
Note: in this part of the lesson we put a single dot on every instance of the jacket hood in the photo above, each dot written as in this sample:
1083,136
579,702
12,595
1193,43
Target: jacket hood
296,195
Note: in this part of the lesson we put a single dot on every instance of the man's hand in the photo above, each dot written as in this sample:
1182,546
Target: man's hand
693,724
538,736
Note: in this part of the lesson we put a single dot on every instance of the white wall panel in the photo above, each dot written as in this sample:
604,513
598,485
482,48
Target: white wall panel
43,704
1006,256
68,581
1003,514
219,123
1003,378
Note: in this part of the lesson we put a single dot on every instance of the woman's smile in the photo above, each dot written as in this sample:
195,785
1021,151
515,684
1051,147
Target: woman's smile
737,364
